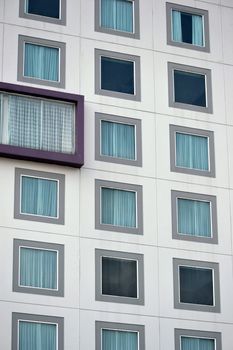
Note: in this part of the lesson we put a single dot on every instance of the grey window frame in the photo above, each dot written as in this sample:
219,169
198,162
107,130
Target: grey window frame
17,317
99,253
216,286
60,178
119,56
140,329
192,11
61,20
135,34
196,70
197,334
121,186
59,248
213,216
121,120
43,42
196,132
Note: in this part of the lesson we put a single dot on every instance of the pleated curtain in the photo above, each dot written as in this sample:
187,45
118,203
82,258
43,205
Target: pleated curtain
176,26
117,15
188,343
119,340
37,336
197,28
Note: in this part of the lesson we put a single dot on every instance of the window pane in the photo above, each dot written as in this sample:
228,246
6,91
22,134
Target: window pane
119,277
38,268
41,62
119,340
187,28
117,15
192,151
39,196
196,285
190,88
37,336
117,75
117,140
118,207
48,8
188,343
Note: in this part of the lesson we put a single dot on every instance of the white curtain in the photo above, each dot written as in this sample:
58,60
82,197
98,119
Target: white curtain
188,343
117,14
37,336
197,30
119,340
176,26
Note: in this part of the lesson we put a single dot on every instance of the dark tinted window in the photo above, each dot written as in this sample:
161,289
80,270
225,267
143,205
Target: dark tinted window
48,8
186,27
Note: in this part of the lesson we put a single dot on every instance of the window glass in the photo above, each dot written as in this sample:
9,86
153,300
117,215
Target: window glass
46,8
117,15
187,28
189,343
37,336
119,340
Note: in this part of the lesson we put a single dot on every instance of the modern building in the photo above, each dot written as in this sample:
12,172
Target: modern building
116,165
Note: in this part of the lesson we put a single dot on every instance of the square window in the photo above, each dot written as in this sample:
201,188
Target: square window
118,139
196,285
194,217
190,88
187,27
39,196
119,277
118,207
37,332
119,336
117,17
38,268
41,61
117,75
186,339
192,151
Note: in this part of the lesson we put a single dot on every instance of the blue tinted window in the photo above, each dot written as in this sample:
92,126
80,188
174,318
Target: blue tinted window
47,8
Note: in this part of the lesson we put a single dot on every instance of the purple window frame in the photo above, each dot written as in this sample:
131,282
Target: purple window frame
74,160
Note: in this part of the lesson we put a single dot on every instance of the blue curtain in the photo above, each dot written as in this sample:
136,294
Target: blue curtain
117,140
194,217
119,340
176,26
41,62
118,207
188,343
197,30
38,268
117,15
37,336
39,196
192,151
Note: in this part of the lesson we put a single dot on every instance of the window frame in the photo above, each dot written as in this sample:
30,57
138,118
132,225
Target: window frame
139,258
60,21
193,132
193,70
118,56
121,120
60,178
59,248
214,267
193,333
192,11
120,186
136,32
61,46
175,195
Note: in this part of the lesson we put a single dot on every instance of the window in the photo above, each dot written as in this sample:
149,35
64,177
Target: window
190,88
192,151
117,17
39,196
37,332
118,139
41,10
41,61
38,268
41,125
119,336
119,277
188,339
196,285
187,27
118,207
194,217
117,75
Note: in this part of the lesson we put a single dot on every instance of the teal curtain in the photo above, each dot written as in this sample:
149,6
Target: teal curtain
117,15
117,140
41,62
188,343
37,336
194,217
176,26
39,196
197,30
119,340
118,207
192,151
38,268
